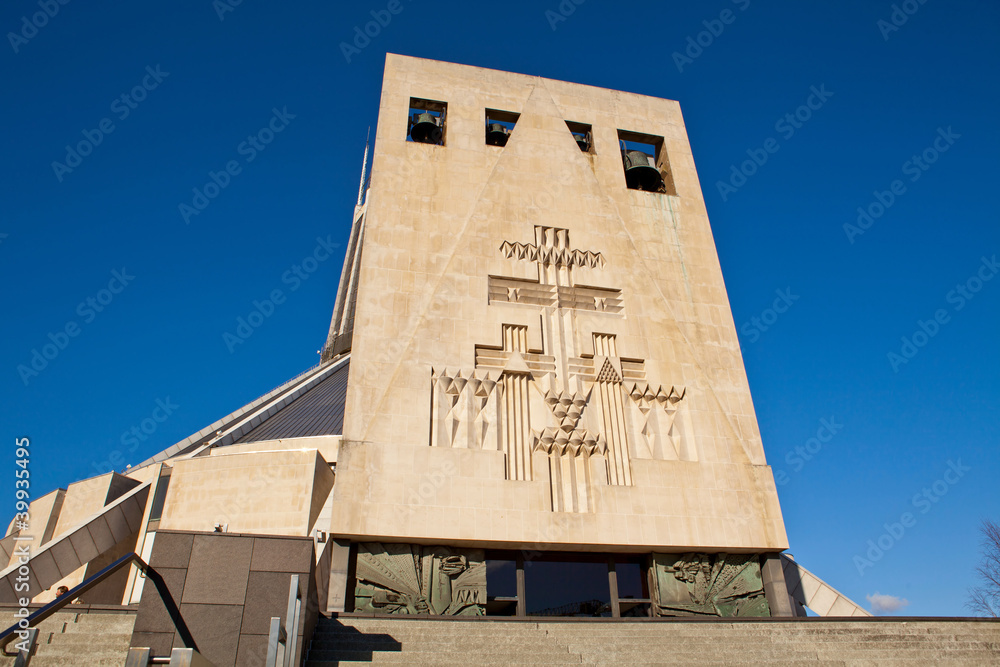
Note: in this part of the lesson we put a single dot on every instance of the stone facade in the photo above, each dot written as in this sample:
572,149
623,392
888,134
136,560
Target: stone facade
540,354
268,493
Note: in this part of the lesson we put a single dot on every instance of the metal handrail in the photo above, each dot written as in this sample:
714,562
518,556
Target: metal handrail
289,633
56,605
63,600
24,654
179,657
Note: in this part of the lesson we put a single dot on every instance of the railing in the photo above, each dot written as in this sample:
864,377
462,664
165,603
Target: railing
286,635
25,628
25,653
179,657
289,633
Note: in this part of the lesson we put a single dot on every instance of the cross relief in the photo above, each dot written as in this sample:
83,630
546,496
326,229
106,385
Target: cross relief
555,287
578,417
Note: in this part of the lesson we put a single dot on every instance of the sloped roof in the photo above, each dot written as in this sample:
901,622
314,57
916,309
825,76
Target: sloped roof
319,411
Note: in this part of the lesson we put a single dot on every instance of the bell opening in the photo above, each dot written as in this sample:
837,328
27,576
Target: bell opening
645,163
426,124
499,126
582,135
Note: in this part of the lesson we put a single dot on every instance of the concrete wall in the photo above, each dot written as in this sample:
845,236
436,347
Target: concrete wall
81,501
274,493
85,498
459,497
44,513
225,588
437,218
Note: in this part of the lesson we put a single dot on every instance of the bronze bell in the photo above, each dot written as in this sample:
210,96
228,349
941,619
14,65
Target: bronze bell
426,128
497,134
582,141
640,174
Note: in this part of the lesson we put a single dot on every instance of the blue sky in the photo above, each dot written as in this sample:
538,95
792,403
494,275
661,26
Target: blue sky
880,94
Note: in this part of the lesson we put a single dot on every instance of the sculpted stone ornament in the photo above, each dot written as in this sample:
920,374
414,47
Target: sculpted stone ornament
660,422
724,585
585,414
414,579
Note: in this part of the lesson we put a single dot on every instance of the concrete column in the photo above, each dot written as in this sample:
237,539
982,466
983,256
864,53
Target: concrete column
774,586
340,575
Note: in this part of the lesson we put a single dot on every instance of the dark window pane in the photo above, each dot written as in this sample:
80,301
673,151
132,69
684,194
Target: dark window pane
630,580
561,588
501,579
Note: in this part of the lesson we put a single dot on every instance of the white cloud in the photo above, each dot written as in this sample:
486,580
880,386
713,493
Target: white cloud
885,604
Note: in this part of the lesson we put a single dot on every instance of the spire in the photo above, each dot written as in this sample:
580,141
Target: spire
364,169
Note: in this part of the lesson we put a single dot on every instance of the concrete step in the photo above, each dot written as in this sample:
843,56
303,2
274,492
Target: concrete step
73,639
102,623
798,645
754,657
644,628
389,641
435,643
429,644
80,639
463,659
97,646
737,652
708,662
464,662
631,657
766,641
79,660
536,654
665,643
659,663
84,655
502,630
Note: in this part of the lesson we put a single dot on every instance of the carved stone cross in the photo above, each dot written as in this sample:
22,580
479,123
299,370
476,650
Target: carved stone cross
567,391
590,399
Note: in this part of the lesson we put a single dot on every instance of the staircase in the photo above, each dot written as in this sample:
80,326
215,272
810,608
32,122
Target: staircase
355,640
70,639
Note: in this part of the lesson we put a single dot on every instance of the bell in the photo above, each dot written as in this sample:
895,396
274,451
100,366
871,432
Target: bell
640,174
581,141
497,134
426,128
